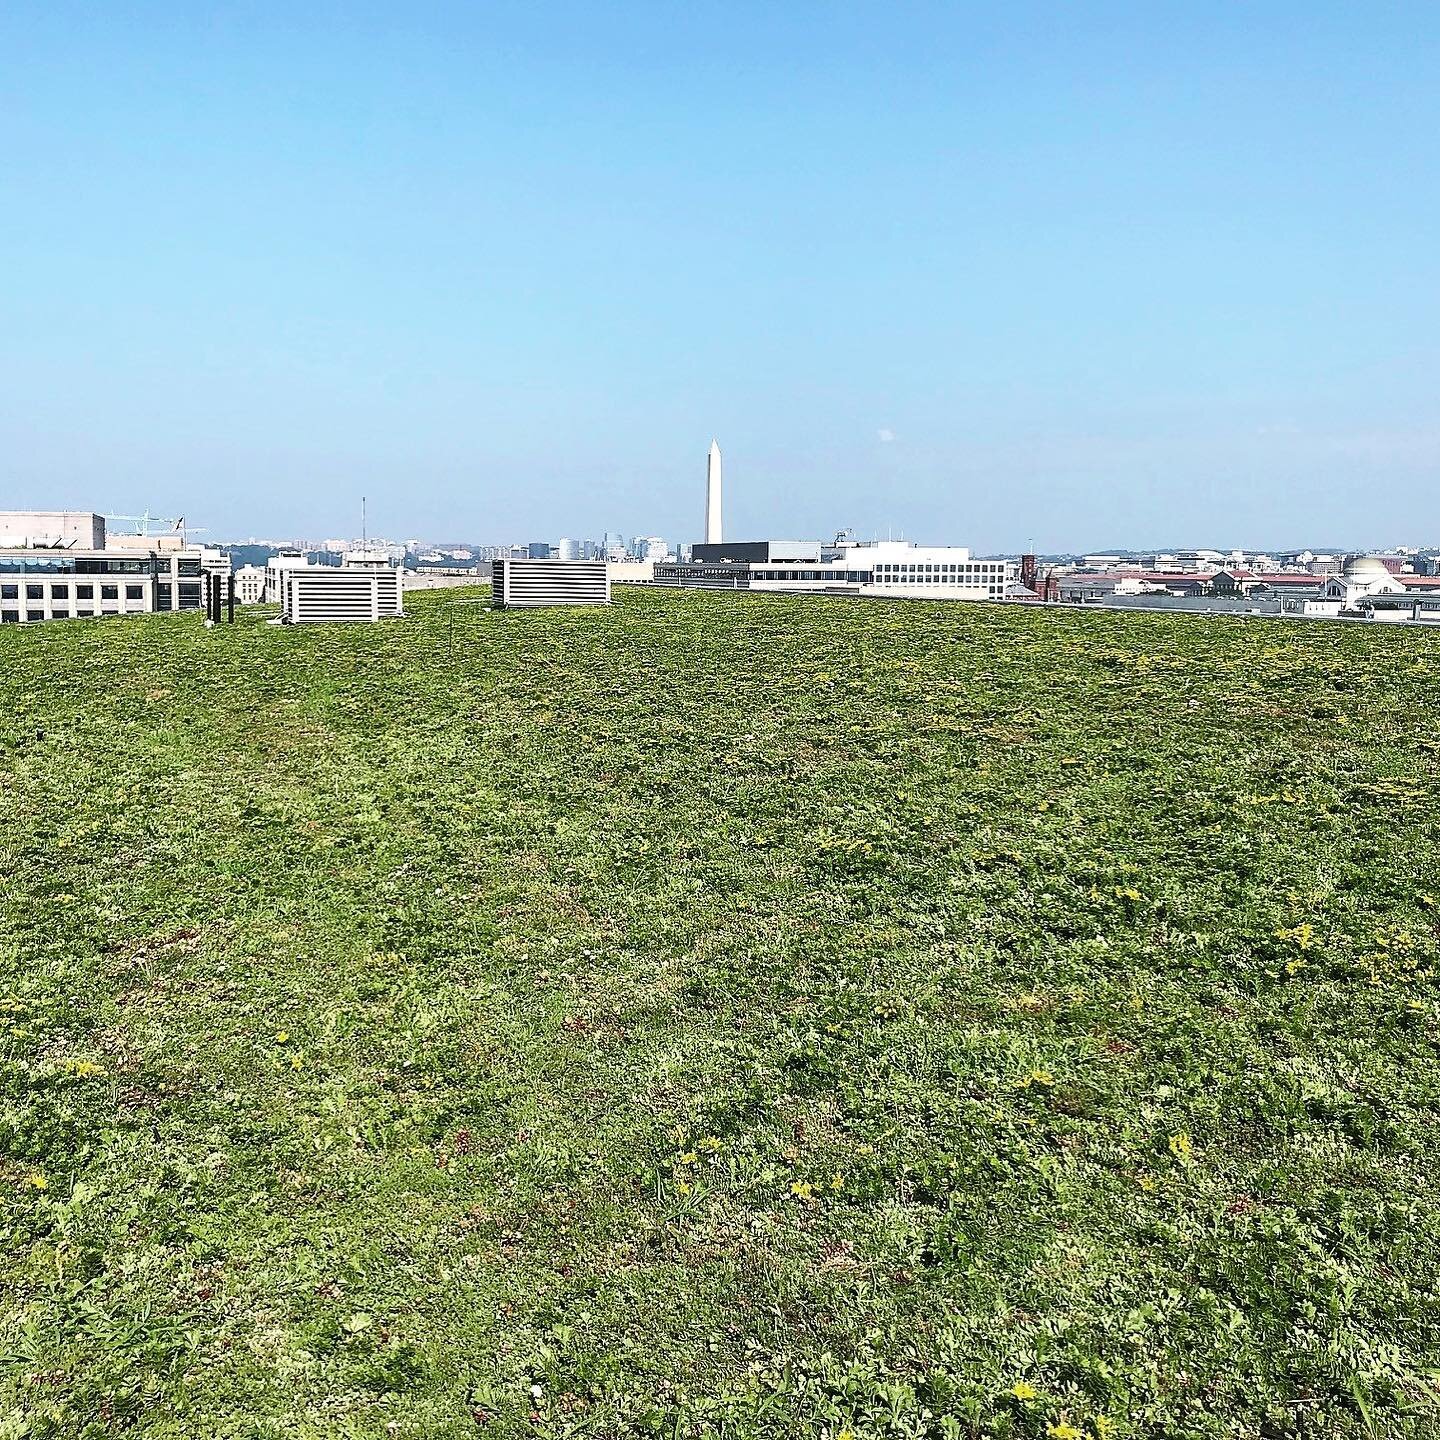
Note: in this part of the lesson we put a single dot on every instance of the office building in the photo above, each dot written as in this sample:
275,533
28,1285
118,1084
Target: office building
862,567
77,583
52,530
250,584
276,565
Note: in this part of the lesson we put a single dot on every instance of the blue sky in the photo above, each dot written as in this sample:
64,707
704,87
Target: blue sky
1087,274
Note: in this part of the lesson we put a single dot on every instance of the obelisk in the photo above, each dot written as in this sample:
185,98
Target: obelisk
712,495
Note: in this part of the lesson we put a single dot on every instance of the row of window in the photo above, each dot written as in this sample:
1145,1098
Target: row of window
861,577
994,568
58,597
39,562
62,592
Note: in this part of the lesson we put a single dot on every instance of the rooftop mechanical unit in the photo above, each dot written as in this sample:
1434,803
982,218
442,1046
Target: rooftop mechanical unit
329,594
526,583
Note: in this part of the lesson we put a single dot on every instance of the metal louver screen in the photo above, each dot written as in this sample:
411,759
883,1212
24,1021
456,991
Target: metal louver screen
317,595
523,583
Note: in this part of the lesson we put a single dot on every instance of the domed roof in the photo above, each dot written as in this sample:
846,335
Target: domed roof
1361,565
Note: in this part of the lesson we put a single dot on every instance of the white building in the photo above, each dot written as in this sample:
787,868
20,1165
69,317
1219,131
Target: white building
52,529
862,567
1362,576
250,584
275,566
369,558
897,564
75,583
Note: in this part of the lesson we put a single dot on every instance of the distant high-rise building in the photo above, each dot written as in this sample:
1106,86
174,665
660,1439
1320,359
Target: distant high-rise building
713,497
537,550
569,549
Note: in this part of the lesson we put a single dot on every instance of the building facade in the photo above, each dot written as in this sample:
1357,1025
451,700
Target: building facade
52,529
38,585
867,567
275,567
250,585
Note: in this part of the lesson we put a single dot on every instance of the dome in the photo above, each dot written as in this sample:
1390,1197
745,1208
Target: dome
1364,566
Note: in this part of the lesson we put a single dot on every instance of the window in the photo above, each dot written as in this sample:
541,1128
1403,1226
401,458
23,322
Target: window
164,596
34,614
9,617
134,592
109,592
84,592
9,592
34,592
112,567
189,596
59,592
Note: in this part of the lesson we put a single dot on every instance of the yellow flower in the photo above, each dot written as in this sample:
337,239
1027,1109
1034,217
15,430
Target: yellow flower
1023,1390
708,1143
688,1158
38,1181
837,1181
683,1187
1040,1077
1060,1430
81,1069
281,1036
296,1062
802,1189
1181,1148
1104,1427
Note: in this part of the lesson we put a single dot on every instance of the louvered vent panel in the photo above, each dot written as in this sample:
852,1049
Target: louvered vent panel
523,583
319,595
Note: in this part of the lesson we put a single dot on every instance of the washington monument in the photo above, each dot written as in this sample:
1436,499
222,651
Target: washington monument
712,495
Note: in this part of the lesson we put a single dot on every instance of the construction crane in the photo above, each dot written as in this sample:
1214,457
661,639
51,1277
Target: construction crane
175,524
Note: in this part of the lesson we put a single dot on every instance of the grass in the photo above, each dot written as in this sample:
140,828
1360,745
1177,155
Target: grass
720,1015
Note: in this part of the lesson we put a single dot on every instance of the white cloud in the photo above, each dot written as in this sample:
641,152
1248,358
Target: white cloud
884,436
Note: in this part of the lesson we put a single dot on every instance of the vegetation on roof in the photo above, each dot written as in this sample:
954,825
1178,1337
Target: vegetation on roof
726,1015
